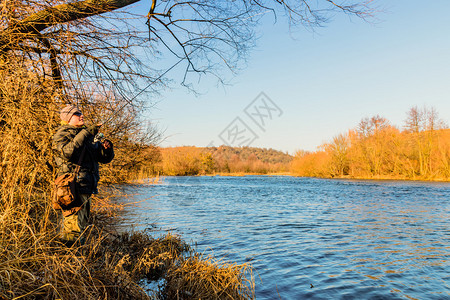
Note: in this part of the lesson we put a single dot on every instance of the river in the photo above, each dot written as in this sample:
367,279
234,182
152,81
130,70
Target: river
310,238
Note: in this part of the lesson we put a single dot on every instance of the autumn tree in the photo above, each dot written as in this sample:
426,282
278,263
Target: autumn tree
338,150
311,164
377,149
369,145
422,125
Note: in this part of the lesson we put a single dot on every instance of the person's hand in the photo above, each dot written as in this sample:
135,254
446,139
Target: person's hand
107,144
93,129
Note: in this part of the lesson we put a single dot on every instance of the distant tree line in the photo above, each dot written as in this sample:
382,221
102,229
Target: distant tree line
181,161
378,149
374,149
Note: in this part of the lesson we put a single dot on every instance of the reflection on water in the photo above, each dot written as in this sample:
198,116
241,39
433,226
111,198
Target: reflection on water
310,238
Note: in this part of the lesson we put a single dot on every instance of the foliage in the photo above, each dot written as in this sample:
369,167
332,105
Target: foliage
314,164
249,160
224,159
181,161
251,153
376,149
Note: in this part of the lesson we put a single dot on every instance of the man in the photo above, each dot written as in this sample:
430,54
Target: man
71,141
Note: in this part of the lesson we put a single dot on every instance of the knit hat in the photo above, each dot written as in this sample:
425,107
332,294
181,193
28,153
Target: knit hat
68,111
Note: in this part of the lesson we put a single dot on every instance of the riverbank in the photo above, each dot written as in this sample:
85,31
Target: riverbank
240,174
110,265
169,259
375,178
390,178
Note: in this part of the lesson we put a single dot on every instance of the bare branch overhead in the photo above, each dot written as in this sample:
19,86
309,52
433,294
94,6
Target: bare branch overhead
104,43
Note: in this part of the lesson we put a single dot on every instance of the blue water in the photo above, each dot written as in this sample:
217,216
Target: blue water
311,238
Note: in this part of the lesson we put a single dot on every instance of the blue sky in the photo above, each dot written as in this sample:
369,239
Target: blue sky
323,82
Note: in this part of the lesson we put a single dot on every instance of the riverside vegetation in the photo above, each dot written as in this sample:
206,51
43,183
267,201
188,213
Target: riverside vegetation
375,149
181,161
34,264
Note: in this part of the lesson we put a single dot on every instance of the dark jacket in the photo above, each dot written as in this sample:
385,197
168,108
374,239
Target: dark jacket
68,143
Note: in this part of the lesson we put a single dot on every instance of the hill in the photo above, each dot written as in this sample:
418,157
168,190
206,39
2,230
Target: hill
224,159
270,155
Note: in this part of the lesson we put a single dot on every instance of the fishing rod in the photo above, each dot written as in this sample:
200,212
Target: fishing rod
151,83
100,137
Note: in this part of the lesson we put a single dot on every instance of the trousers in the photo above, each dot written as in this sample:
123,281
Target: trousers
74,225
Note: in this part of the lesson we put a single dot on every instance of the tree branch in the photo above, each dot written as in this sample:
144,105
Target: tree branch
58,14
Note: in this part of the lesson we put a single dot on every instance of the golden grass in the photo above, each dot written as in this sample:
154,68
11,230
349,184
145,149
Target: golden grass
110,266
198,277
35,265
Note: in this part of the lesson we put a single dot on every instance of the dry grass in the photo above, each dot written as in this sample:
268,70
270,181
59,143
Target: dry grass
197,277
111,265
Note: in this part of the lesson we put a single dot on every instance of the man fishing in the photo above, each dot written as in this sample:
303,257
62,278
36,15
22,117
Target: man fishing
75,144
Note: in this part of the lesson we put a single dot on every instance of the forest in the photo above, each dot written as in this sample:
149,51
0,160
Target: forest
179,161
376,149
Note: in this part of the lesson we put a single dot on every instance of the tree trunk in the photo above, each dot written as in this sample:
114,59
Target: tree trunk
58,14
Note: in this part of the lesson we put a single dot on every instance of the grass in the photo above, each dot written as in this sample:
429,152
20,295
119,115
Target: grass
35,265
199,277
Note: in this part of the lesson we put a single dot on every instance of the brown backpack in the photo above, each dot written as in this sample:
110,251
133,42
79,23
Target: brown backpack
66,196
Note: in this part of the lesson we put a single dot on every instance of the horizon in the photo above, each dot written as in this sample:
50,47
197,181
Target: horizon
263,147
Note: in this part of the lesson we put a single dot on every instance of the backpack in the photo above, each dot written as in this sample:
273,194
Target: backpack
66,196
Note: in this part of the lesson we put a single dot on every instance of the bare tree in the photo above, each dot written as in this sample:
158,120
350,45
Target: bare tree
421,124
370,126
414,120
102,42
423,119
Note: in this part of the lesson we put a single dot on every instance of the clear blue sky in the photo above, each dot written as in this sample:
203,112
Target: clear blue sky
325,81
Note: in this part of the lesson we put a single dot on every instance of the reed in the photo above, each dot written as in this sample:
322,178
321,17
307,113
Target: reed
110,265
198,277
